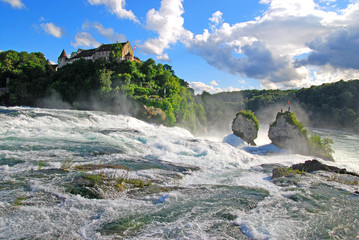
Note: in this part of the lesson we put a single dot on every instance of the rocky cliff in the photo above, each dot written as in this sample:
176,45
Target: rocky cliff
286,132
245,126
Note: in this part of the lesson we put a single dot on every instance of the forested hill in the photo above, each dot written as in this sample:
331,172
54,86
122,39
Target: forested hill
144,89
333,105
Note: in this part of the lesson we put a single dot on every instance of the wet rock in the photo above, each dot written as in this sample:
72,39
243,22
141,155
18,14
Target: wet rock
308,167
285,133
155,114
281,172
315,165
245,128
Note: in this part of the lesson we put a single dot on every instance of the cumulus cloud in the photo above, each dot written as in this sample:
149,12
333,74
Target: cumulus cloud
267,47
108,33
167,22
14,3
85,39
216,19
214,83
52,29
339,49
164,57
199,87
116,7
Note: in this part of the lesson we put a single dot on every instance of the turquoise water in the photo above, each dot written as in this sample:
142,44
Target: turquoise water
201,188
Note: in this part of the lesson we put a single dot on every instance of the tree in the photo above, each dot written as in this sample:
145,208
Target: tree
116,54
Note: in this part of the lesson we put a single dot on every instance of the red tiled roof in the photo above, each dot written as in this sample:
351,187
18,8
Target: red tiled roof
63,54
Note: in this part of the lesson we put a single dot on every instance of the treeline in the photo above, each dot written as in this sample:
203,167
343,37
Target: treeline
128,86
330,105
121,87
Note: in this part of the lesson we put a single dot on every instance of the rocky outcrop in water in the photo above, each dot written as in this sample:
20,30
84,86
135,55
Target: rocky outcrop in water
245,126
285,133
308,167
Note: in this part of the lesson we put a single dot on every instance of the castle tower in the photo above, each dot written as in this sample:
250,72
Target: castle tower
62,60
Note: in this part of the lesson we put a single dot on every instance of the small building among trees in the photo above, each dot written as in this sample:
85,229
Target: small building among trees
122,51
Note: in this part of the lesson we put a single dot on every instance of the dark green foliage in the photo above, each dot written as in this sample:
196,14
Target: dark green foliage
332,105
116,86
322,147
28,76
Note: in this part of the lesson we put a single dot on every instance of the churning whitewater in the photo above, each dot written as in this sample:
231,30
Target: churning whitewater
196,188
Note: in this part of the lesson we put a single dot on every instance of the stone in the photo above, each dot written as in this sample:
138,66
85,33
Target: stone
308,167
245,128
155,114
284,133
315,165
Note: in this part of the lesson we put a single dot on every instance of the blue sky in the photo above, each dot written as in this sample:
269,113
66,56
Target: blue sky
214,45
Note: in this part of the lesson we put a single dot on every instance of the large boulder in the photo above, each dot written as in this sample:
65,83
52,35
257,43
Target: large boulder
245,126
286,132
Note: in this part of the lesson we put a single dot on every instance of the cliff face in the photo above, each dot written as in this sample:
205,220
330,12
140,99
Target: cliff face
245,128
286,133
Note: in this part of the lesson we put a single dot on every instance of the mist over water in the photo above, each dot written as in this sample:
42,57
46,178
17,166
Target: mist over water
202,187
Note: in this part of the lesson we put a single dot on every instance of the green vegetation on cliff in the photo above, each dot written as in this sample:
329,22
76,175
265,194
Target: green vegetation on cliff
249,115
114,86
292,120
321,147
316,145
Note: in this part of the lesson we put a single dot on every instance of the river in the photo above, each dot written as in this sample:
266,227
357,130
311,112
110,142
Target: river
201,187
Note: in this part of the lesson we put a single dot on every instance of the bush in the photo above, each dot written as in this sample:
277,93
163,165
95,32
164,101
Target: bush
321,147
249,115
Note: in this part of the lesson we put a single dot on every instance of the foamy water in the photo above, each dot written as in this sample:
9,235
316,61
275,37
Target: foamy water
212,188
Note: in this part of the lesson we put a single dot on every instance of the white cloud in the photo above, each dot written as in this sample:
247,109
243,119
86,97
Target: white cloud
264,1
294,8
329,74
266,48
214,83
116,7
216,18
85,39
164,57
52,29
14,3
108,33
167,22
199,87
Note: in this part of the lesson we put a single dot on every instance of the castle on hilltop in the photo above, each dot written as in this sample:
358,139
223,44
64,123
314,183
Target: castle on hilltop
103,51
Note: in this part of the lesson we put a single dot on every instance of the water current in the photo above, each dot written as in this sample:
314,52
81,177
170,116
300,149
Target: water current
195,187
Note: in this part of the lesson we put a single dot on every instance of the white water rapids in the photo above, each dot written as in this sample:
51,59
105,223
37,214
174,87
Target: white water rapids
202,188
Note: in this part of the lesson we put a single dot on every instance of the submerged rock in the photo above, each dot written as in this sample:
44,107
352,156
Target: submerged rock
308,167
245,126
315,165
